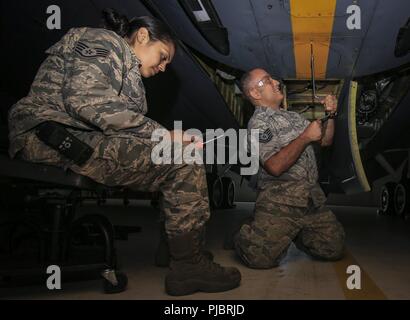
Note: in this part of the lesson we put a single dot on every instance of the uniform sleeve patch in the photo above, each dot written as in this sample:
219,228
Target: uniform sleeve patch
265,136
86,51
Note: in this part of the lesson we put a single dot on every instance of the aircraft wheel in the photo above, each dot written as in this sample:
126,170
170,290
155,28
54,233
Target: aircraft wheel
401,199
229,192
387,199
216,193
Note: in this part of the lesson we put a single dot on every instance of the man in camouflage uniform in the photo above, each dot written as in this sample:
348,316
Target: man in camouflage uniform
290,204
91,83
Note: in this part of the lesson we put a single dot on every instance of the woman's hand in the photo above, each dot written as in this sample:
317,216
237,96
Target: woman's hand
185,139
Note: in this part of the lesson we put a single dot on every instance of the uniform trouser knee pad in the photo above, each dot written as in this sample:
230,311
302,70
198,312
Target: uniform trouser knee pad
264,243
322,237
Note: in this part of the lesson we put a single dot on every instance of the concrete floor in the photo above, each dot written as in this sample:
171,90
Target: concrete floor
378,245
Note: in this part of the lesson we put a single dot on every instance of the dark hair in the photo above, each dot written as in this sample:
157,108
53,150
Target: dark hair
245,83
124,27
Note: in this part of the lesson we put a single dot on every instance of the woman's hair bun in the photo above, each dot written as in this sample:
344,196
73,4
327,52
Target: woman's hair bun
116,22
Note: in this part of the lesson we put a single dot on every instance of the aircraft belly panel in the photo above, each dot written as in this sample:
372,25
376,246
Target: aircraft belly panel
342,56
237,16
346,43
377,53
260,32
312,22
280,52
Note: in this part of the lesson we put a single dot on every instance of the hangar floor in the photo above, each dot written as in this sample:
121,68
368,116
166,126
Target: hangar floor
379,245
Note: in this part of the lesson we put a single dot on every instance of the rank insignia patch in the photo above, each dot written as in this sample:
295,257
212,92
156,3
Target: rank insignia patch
87,52
265,136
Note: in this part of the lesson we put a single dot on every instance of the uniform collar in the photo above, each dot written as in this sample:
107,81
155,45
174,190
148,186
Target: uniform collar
131,60
268,110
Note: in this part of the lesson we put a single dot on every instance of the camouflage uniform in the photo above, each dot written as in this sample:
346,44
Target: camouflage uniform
289,207
91,82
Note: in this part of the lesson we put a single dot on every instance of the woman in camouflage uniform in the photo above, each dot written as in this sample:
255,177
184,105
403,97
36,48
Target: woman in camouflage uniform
91,83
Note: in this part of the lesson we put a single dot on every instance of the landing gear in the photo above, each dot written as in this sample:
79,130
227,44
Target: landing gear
395,199
401,199
387,199
229,192
221,192
216,193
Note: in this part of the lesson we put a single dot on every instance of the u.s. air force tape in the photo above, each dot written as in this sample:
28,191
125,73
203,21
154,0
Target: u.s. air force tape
265,136
87,52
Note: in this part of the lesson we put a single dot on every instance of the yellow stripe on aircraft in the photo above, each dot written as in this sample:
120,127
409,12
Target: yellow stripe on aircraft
369,289
312,21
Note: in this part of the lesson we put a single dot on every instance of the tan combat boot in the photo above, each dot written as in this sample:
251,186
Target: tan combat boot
162,257
191,271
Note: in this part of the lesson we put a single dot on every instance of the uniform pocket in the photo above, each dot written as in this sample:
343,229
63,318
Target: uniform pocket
36,151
